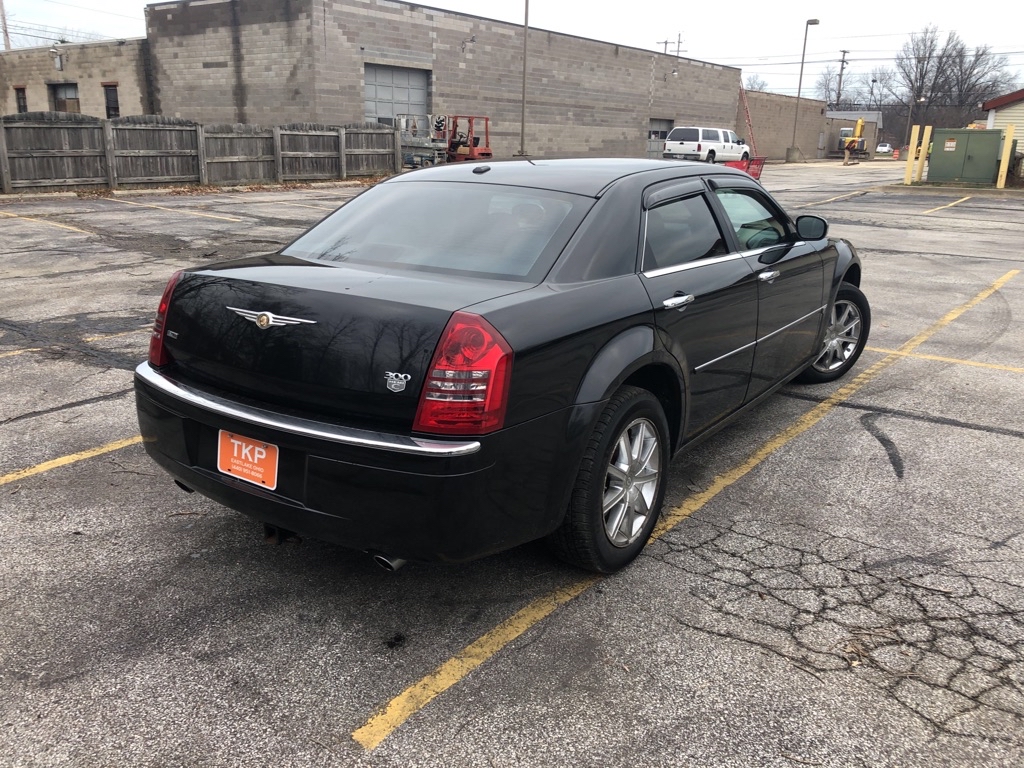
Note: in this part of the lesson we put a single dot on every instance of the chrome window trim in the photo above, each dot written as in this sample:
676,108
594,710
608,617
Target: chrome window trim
692,264
736,351
759,251
294,425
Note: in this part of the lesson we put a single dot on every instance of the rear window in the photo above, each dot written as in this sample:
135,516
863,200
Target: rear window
488,230
683,134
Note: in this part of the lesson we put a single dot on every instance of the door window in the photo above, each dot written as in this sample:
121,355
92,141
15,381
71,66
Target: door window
679,232
755,223
710,134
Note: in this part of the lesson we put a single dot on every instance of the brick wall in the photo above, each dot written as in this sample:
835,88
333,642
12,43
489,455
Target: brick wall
89,66
772,117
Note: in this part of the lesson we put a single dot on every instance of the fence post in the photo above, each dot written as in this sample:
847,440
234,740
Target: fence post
108,147
278,160
398,152
201,155
342,159
5,163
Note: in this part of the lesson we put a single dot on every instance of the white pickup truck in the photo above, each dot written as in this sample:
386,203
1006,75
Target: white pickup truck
710,145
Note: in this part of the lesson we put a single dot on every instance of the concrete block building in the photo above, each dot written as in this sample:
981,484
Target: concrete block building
334,62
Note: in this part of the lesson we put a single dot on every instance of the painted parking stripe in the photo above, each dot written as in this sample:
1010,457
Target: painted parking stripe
303,205
415,697
939,359
64,461
44,221
14,352
183,211
837,197
950,205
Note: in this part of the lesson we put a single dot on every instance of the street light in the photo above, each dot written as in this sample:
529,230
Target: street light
793,153
871,92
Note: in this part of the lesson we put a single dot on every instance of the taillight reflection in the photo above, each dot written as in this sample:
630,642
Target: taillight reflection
158,355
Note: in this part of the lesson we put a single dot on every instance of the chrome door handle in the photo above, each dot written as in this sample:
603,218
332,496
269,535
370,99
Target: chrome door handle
769,276
677,302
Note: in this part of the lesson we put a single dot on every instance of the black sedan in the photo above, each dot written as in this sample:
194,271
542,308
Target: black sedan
469,357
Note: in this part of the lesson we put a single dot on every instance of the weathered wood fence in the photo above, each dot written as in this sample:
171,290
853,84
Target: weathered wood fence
44,151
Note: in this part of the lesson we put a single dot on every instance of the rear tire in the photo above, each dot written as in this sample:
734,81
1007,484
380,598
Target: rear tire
849,323
711,156
620,485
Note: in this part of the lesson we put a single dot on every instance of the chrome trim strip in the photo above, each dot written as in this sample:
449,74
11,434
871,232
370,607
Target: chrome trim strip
759,251
727,354
795,322
763,338
305,427
692,265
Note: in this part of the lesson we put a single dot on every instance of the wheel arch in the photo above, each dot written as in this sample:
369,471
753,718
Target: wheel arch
632,358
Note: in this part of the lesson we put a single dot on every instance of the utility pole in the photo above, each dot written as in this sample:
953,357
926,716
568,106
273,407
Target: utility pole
3,23
839,87
660,42
679,45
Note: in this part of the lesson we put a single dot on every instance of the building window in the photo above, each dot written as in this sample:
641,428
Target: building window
110,96
64,97
21,100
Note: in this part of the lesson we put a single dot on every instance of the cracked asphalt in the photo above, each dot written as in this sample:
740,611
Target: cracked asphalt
852,596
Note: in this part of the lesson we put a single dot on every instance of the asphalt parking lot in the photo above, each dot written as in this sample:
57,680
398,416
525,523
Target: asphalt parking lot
838,581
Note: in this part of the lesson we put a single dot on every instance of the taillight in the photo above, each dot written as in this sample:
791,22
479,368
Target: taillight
698,147
158,355
466,391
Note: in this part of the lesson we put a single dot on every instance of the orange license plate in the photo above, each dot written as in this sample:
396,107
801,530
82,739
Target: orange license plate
247,459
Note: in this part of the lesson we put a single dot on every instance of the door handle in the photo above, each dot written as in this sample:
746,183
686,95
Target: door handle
678,302
769,276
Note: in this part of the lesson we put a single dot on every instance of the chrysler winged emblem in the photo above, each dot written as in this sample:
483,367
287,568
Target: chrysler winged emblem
267,319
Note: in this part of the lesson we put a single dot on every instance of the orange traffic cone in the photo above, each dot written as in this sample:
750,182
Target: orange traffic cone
895,154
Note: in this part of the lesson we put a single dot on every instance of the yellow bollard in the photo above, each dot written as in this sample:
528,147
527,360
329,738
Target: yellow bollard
910,155
923,158
1004,161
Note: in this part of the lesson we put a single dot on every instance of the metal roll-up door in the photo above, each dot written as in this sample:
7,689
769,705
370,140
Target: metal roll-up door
394,91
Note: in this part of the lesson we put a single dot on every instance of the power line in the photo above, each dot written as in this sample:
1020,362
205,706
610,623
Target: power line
92,10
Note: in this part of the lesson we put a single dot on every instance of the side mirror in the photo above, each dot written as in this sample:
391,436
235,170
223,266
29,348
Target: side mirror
811,227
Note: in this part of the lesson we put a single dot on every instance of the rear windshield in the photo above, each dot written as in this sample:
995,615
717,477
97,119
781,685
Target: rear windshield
493,231
684,134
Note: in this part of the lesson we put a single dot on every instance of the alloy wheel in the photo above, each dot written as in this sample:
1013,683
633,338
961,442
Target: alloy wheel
631,483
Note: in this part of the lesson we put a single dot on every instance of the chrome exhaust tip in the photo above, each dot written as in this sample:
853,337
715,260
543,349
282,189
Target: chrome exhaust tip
386,562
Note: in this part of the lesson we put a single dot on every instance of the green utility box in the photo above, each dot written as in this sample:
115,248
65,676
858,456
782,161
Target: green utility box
966,155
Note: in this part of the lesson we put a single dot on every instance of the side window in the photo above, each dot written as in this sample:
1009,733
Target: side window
679,232
752,218
733,138
710,134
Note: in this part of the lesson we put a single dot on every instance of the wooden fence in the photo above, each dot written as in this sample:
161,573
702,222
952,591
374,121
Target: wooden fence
49,150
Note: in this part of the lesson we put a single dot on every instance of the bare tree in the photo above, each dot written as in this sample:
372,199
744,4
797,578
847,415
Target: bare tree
756,83
826,85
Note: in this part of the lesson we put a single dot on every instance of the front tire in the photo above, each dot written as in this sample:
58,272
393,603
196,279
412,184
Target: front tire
746,156
845,337
620,485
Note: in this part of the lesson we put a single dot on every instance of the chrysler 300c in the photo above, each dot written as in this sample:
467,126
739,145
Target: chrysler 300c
469,357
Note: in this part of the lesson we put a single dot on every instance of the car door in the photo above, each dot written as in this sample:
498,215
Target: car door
790,281
704,297
735,148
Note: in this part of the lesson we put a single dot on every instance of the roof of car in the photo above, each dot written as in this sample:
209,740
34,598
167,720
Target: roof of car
581,176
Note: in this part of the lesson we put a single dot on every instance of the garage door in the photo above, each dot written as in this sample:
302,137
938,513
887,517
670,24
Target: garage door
394,91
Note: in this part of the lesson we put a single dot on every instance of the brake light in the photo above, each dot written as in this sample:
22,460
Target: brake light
158,355
466,391
698,147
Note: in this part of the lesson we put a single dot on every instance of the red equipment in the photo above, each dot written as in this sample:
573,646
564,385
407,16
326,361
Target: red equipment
467,144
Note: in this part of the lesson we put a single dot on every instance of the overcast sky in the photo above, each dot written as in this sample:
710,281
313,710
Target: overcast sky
761,38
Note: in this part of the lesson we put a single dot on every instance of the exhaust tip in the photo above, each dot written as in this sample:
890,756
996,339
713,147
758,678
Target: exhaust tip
388,563
183,487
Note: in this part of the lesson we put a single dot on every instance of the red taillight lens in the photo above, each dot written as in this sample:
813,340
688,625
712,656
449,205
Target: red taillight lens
466,391
698,147
158,355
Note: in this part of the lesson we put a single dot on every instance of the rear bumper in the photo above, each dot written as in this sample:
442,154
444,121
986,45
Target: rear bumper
419,499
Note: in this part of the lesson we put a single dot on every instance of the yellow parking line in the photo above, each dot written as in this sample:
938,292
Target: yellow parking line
415,697
44,221
837,197
14,352
176,210
302,205
938,359
962,199
63,461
